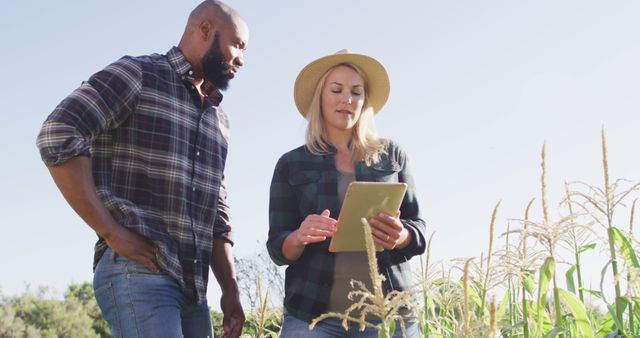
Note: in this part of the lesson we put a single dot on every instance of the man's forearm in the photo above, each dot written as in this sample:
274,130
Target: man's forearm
221,262
75,181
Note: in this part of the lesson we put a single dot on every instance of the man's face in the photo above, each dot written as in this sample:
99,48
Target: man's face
225,56
215,67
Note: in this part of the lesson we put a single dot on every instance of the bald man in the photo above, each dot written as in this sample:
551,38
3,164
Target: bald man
139,151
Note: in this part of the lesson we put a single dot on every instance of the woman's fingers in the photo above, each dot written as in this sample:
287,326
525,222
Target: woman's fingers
316,228
386,224
392,221
386,229
312,239
316,232
309,234
324,218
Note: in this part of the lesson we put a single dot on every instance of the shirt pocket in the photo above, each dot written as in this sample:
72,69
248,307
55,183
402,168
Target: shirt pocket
305,186
385,171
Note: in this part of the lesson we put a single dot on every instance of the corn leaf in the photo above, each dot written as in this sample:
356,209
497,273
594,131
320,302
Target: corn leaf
556,331
594,293
527,281
571,284
612,312
503,306
473,294
432,306
543,324
579,312
392,328
625,247
606,325
586,248
546,273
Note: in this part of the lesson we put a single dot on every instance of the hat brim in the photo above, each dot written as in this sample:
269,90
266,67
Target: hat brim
377,79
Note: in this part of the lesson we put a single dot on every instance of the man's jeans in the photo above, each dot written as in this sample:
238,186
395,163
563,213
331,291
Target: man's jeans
293,327
139,303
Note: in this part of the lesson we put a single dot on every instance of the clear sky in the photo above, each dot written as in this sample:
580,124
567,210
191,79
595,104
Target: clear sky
476,88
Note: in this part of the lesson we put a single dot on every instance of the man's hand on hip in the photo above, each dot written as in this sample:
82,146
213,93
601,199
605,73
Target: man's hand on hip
74,178
131,245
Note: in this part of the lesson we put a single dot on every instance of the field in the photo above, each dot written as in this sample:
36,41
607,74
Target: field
529,282
512,289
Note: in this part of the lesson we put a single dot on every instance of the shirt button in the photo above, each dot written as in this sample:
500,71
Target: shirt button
197,153
194,188
195,261
191,72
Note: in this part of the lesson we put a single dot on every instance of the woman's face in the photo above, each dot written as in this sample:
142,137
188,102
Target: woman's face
342,98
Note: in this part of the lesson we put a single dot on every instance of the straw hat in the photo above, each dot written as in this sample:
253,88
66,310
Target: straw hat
377,80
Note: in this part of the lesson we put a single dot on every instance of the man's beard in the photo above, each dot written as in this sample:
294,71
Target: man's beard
214,66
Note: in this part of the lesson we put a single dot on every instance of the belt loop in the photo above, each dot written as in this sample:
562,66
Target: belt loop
114,256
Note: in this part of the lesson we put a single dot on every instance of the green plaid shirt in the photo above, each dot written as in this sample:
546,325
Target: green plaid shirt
305,184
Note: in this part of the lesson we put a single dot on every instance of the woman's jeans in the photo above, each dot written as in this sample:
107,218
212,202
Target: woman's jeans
139,303
293,327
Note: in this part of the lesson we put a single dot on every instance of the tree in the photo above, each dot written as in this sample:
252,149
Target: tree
249,268
35,315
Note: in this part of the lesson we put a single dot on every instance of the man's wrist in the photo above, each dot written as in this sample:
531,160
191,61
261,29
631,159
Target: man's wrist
230,287
109,231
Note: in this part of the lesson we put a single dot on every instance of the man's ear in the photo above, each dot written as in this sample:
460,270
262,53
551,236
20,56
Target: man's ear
206,30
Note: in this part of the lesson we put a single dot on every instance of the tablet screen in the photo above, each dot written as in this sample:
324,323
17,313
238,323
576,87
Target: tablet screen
364,199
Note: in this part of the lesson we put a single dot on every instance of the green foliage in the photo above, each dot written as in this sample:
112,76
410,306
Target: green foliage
83,293
261,327
216,321
579,313
250,328
13,326
546,273
33,315
625,247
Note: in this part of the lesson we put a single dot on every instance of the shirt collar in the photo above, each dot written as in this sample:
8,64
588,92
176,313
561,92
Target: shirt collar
181,65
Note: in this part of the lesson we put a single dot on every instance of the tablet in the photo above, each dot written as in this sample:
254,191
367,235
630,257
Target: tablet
364,199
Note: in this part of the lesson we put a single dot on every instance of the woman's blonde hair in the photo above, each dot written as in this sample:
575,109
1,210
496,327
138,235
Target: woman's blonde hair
367,147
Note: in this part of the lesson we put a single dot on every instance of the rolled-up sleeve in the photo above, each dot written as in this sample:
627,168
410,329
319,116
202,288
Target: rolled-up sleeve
102,102
222,225
283,213
410,212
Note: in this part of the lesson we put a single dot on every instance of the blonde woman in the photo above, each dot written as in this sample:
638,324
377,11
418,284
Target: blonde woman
339,95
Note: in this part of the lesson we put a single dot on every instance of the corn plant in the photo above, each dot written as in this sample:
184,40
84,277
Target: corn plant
428,310
264,322
577,243
460,300
484,289
601,203
467,325
373,303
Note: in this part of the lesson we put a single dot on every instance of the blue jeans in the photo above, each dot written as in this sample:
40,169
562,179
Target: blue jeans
139,303
293,327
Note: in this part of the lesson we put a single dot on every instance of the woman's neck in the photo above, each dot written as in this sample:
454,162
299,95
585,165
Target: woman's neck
340,139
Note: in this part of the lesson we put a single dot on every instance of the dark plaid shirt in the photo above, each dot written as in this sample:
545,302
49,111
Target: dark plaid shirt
305,184
158,154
